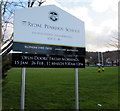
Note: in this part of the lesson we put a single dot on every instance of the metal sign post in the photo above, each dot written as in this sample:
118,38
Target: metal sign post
23,89
98,57
102,58
76,90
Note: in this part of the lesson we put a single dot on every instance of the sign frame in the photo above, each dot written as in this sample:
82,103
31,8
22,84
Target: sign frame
49,34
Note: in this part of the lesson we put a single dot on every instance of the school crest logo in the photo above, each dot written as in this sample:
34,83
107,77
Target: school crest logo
53,16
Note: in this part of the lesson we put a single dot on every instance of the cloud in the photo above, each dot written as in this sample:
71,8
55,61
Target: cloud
52,2
81,13
100,17
104,5
99,42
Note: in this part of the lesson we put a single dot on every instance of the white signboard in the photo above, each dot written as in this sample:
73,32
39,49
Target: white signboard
48,25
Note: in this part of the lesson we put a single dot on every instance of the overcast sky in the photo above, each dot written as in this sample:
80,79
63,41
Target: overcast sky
100,17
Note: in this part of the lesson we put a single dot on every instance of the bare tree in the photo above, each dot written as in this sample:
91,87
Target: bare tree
7,11
114,42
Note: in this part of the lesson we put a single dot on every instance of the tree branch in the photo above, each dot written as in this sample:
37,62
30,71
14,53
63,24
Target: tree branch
41,2
4,9
28,3
32,3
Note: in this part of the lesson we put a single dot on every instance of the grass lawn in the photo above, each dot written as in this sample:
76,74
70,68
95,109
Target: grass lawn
53,88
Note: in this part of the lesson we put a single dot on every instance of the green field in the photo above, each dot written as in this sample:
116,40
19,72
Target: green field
54,88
